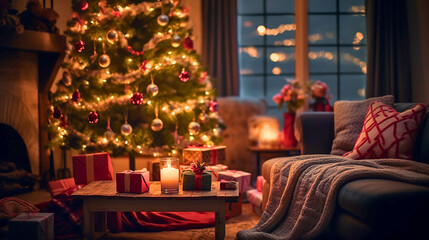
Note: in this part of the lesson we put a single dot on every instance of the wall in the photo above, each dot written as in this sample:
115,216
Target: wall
19,99
418,21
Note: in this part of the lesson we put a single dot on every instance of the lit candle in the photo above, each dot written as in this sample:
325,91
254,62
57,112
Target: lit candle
169,175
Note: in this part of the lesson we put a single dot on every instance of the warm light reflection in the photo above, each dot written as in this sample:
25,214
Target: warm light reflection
262,30
276,71
252,51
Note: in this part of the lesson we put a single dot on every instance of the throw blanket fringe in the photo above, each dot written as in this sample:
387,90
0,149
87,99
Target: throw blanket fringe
305,206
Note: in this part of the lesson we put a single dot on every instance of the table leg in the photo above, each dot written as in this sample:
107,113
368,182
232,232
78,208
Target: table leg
220,221
88,221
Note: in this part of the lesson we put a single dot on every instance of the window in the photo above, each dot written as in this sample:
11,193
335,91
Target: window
266,41
336,47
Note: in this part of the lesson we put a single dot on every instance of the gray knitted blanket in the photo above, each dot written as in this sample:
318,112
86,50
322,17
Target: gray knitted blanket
304,190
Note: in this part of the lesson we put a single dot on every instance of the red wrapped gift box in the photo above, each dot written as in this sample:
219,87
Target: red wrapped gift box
92,167
260,180
209,155
255,198
58,186
133,181
243,178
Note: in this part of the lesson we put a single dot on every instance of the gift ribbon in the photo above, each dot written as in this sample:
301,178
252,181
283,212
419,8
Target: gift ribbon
198,184
89,168
214,155
127,184
127,179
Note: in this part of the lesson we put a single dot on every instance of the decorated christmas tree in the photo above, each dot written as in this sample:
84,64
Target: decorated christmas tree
132,82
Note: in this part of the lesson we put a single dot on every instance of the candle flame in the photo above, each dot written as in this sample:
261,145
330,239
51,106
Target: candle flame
169,164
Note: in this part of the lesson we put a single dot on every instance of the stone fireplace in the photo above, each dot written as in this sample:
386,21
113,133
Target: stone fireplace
29,63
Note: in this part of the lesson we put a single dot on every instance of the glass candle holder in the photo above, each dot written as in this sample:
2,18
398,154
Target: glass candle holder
169,168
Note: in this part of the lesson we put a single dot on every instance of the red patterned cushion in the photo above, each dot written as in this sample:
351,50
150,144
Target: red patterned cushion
387,133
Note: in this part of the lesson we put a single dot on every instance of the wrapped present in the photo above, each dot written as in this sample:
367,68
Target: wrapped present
192,181
32,226
92,167
255,198
214,168
208,155
243,178
228,185
58,186
260,180
133,181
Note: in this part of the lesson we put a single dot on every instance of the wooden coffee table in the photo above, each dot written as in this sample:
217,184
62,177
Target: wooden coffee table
101,196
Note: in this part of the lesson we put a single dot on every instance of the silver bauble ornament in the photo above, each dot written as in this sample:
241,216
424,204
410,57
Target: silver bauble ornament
176,40
157,125
104,60
217,132
112,36
109,134
162,20
203,118
193,128
152,89
66,79
126,129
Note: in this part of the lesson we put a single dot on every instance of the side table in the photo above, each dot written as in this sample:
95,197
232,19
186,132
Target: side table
272,152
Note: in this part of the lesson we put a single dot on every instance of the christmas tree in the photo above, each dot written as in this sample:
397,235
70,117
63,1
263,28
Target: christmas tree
132,82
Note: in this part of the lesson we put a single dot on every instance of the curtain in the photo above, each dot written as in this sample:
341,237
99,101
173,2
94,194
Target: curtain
220,53
389,70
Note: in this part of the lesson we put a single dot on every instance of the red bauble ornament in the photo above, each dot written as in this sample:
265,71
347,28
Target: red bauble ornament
214,107
184,76
64,122
93,117
57,113
137,98
79,46
188,44
84,5
76,96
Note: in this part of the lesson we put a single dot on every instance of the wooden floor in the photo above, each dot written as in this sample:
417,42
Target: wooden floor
245,221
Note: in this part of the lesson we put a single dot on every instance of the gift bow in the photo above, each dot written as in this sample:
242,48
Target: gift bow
127,177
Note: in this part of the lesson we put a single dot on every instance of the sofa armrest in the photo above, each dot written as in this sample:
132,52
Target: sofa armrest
315,132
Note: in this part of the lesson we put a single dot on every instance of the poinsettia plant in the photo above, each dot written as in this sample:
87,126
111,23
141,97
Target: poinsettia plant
293,94
319,92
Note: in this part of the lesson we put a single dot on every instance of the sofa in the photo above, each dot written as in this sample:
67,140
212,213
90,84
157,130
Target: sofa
367,208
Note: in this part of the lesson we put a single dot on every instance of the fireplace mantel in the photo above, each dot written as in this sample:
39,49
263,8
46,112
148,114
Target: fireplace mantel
50,50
